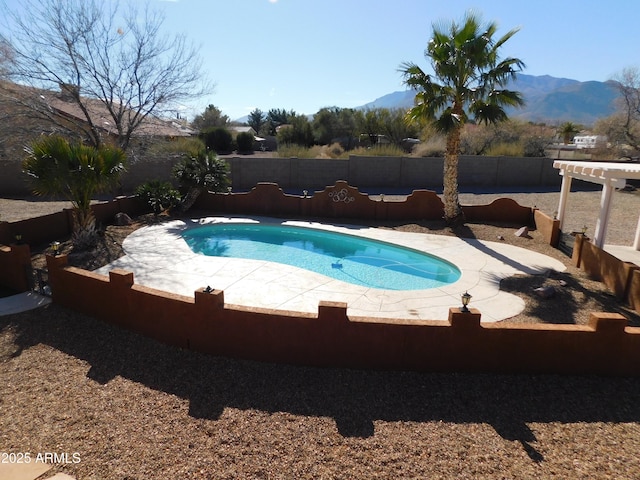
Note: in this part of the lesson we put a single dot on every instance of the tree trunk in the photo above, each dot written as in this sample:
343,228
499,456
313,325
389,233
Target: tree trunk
189,199
85,234
452,210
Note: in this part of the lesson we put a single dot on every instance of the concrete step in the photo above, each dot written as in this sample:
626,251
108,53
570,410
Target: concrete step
23,471
29,471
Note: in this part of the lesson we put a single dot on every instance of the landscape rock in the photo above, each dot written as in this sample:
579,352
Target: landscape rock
122,219
545,292
522,232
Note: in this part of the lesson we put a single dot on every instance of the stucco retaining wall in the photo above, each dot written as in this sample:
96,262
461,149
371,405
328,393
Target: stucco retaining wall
622,278
331,338
341,200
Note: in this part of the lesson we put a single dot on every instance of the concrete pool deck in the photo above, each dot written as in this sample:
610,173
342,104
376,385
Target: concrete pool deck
159,258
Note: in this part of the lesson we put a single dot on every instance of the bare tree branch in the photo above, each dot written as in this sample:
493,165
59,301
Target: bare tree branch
113,69
628,84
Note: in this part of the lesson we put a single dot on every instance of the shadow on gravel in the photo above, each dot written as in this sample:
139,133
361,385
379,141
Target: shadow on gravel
354,399
569,298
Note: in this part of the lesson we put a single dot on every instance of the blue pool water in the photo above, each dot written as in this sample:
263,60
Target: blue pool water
352,259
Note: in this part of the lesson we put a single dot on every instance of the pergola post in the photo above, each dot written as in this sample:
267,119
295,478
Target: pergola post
603,216
564,195
636,241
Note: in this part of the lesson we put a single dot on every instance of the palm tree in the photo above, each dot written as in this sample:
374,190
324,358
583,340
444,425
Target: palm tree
200,171
76,172
568,130
469,79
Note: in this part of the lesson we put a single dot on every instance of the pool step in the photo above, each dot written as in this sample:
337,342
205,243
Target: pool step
565,243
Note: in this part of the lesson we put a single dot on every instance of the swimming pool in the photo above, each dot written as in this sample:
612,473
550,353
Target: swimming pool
357,260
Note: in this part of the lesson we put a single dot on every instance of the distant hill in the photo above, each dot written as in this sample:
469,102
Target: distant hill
548,99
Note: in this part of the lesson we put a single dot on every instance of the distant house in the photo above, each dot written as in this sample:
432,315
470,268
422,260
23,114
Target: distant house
236,129
20,124
60,109
590,141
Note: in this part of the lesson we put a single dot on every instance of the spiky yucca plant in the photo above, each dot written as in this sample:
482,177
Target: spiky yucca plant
158,195
200,171
76,172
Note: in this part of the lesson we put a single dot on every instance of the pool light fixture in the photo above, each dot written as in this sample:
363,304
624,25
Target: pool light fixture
466,298
55,247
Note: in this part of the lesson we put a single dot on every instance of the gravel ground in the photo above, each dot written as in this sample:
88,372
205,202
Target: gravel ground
131,408
134,409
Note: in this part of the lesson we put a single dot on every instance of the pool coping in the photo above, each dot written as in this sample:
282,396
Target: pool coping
159,258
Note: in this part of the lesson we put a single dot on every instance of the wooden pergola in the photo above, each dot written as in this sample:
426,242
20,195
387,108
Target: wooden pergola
608,174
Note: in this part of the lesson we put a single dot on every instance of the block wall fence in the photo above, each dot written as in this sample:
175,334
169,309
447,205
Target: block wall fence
391,172
299,174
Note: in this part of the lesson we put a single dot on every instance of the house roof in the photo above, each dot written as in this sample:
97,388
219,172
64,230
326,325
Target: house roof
150,126
242,128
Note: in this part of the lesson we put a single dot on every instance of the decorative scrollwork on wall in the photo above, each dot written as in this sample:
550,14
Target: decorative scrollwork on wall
341,196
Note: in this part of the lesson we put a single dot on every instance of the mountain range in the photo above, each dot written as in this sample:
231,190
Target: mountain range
547,99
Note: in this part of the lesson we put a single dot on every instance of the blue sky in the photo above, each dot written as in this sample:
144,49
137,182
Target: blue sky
303,55
308,54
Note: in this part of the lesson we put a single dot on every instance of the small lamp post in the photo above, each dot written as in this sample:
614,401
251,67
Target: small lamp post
208,289
19,238
55,247
466,298
584,230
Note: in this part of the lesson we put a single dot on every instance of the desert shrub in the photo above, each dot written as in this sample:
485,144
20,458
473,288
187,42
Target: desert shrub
335,150
534,146
298,132
387,150
179,145
158,195
198,173
605,153
506,149
245,142
290,150
218,139
433,147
